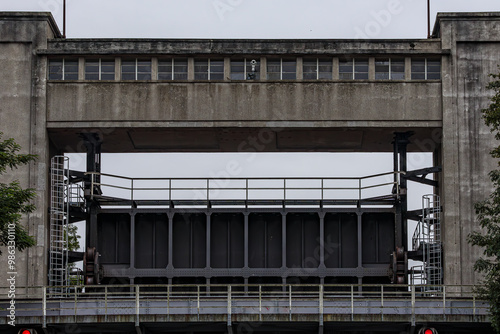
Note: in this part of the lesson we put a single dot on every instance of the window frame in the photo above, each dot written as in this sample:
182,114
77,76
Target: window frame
319,63
294,60
390,65
354,72
426,68
63,69
100,71
246,65
136,69
209,72
173,63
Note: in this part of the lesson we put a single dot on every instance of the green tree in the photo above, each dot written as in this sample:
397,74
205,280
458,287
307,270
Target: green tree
14,200
488,216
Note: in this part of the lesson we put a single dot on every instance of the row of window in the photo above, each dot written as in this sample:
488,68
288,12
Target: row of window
245,69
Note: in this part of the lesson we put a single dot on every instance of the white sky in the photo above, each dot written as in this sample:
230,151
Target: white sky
248,18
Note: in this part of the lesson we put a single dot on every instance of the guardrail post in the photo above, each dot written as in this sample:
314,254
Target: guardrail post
198,300
444,302
413,305
168,303
44,307
76,289
321,305
137,306
382,301
260,303
352,302
106,303
290,302
229,306
474,307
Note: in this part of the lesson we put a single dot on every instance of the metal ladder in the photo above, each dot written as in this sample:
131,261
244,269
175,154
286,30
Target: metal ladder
59,216
427,237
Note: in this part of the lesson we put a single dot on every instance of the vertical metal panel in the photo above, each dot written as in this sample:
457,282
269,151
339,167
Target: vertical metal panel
161,241
144,246
114,238
189,240
227,238
378,237
264,244
151,236
302,236
341,241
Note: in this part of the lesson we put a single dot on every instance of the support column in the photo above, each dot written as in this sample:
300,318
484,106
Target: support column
401,141
170,243
360,239
208,246
132,240
321,240
283,238
245,237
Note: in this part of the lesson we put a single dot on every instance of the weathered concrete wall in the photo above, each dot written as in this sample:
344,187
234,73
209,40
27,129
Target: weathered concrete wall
239,103
475,46
22,117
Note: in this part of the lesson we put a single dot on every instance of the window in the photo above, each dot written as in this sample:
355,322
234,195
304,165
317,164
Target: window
245,69
281,69
63,69
136,69
173,69
99,69
390,69
208,69
315,69
425,69
356,69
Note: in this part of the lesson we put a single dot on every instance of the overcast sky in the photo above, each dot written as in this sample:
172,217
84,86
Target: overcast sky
248,18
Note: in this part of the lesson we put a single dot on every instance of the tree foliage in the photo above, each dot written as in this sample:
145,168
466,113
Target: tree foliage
488,216
14,200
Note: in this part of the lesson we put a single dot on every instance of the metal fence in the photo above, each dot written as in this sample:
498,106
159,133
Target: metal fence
254,302
246,189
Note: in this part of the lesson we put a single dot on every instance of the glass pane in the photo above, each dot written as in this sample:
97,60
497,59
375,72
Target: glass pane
361,76
70,76
397,76
237,76
345,76
217,76
325,74
382,76
91,68
273,76
180,76
418,76
91,76
289,76
433,76
310,76
128,76
105,68
107,76
201,76
128,68
164,76
143,76
345,68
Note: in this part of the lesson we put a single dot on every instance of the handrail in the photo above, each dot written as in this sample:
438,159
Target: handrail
203,188
350,300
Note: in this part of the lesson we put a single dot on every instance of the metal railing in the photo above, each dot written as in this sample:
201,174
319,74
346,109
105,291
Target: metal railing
246,189
257,302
